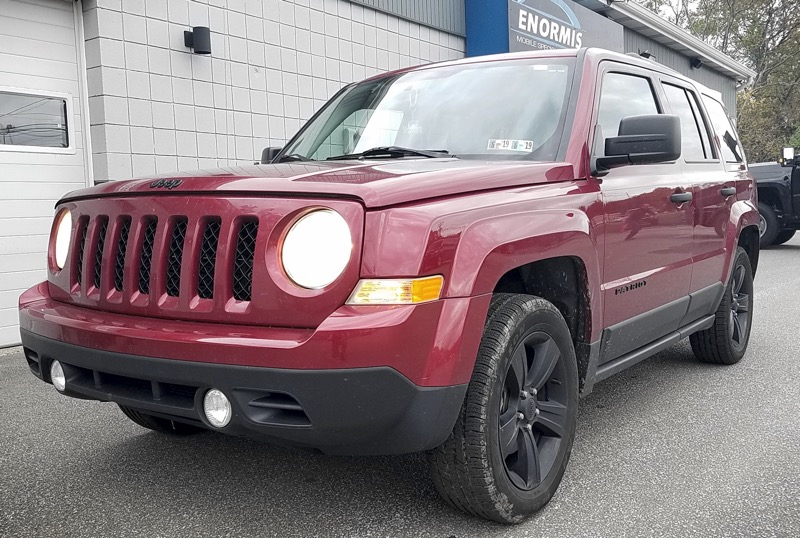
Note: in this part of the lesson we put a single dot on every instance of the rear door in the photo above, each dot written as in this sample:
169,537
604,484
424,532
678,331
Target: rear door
649,218
714,192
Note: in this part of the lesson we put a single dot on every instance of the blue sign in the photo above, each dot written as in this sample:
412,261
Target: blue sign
559,24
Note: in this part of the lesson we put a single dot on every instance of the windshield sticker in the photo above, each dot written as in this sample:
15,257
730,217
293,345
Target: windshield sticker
511,145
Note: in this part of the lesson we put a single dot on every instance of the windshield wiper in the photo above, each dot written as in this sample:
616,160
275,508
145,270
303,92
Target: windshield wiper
393,152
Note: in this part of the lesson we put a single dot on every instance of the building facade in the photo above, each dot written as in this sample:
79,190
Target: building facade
107,89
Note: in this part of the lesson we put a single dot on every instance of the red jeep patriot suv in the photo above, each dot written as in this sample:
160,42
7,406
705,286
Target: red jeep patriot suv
441,260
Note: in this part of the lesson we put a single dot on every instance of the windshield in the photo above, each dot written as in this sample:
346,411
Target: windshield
493,110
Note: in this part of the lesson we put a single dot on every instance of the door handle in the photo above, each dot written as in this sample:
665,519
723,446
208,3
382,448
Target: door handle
681,197
727,191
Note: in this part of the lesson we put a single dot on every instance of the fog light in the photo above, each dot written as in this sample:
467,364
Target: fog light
217,408
57,376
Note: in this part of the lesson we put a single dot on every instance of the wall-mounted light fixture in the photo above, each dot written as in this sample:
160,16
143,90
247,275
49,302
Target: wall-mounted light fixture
696,62
198,39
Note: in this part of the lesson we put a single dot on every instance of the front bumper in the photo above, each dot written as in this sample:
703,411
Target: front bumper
367,381
347,411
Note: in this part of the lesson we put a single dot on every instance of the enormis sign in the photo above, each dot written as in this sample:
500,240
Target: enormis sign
559,24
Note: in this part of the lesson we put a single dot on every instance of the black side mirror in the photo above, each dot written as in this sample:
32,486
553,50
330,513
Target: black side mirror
269,154
653,138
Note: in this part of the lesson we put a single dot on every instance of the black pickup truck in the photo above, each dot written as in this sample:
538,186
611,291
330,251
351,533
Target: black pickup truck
778,201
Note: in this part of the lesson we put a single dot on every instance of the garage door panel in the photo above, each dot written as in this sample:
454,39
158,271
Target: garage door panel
33,190
23,245
25,226
33,47
48,13
9,334
21,279
8,317
39,160
13,208
9,297
22,262
42,68
28,28
21,80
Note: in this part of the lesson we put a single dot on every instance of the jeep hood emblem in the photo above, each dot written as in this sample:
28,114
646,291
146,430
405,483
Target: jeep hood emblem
165,183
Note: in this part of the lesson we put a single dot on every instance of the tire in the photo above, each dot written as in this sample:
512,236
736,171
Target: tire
768,227
158,424
471,471
725,342
783,236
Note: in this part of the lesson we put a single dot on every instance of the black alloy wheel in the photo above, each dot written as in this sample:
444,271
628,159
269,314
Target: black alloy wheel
511,443
741,291
725,342
533,411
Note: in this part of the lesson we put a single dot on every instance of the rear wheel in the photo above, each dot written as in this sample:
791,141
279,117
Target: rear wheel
726,341
768,225
783,237
159,424
511,443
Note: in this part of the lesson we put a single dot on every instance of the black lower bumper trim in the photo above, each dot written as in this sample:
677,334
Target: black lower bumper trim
356,411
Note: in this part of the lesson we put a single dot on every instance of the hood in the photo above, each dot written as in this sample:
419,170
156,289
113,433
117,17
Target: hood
375,184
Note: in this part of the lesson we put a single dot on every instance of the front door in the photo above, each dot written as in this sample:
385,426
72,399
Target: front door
649,218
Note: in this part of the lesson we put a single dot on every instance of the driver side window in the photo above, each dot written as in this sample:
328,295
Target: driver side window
621,95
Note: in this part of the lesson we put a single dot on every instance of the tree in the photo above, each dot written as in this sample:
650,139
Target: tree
764,35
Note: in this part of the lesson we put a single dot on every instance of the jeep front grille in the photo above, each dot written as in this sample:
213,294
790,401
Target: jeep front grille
143,256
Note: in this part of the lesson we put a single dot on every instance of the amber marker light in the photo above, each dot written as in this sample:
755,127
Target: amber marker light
397,291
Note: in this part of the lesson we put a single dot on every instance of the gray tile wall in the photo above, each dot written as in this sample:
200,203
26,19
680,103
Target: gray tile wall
155,107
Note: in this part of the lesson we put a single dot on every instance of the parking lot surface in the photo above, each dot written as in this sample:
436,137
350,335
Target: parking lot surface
670,447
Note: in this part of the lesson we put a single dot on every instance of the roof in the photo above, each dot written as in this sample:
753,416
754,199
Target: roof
643,21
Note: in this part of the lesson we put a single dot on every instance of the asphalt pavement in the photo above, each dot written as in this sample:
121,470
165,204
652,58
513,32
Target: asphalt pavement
670,447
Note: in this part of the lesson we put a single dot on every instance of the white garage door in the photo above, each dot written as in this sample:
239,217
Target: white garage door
41,139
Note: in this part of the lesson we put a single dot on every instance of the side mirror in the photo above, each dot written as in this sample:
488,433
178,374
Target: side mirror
646,139
269,154
788,158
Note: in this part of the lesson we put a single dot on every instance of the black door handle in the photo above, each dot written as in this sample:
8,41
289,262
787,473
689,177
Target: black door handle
681,197
727,191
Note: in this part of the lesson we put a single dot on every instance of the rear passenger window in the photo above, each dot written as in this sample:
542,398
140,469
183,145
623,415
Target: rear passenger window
728,140
693,145
621,96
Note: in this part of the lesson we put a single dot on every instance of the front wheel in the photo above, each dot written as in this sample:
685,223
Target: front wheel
726,340
509,448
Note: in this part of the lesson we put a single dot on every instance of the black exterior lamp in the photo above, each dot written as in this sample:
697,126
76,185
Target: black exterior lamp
696,63
198,39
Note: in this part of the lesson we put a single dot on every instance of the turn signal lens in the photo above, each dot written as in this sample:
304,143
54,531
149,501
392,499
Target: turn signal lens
397,291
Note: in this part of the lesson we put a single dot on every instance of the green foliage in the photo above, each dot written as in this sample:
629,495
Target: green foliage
764,35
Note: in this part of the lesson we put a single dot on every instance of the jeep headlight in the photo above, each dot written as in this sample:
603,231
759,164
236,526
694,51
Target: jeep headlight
317,249
62,232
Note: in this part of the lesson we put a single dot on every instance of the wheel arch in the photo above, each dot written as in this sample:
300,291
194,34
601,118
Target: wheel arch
564,282
774,196
749,241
